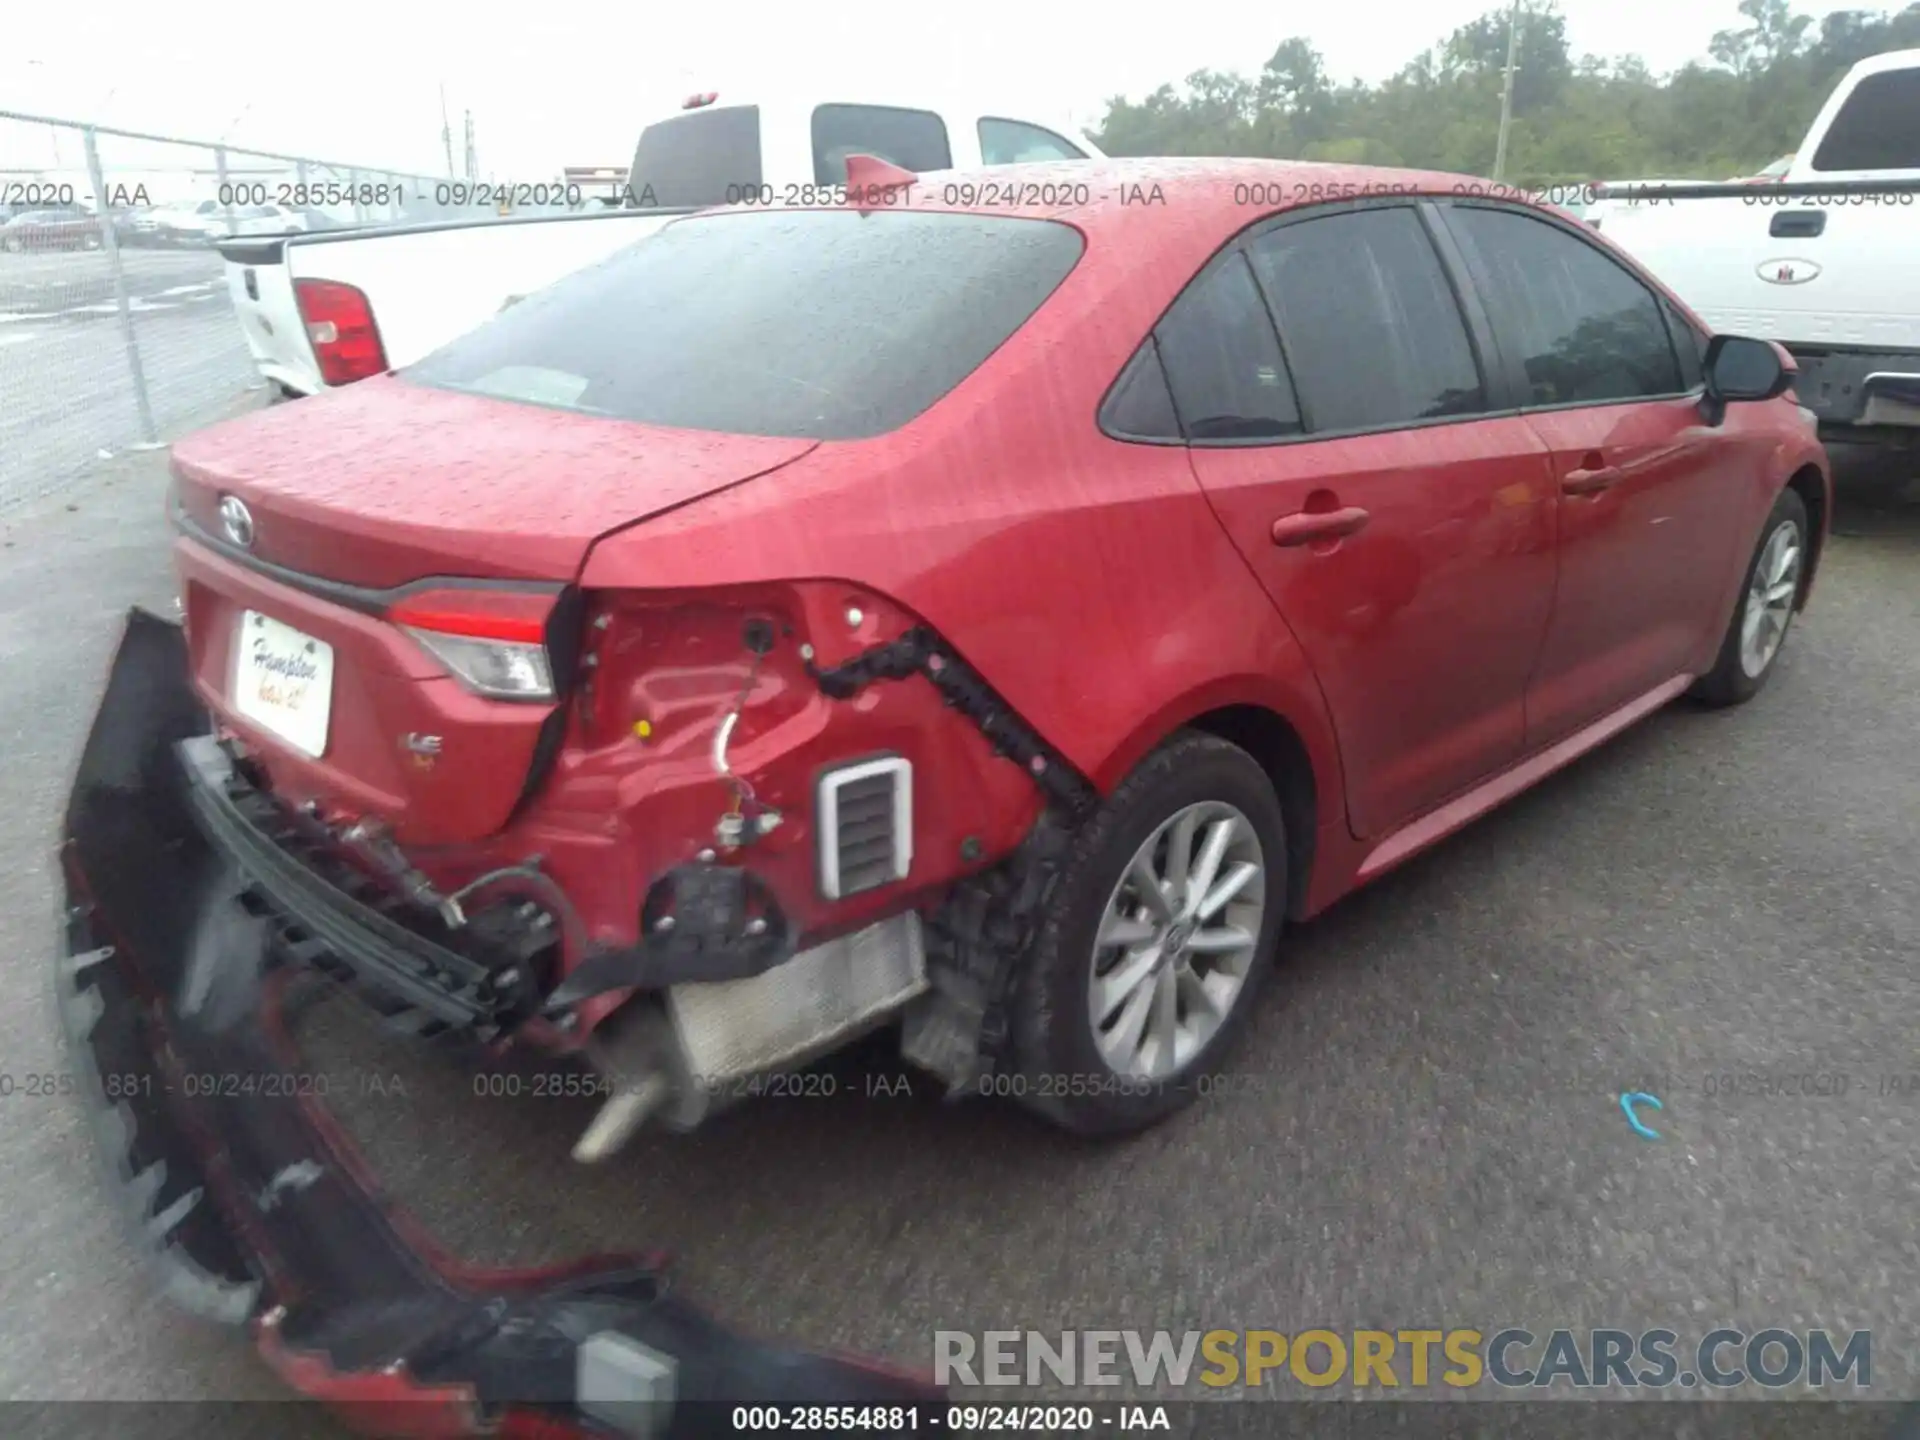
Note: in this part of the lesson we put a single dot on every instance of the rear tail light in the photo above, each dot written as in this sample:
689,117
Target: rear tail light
700,101
340,324
494,641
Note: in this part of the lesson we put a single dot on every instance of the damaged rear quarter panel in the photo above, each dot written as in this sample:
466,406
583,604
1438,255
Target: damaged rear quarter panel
1086,579
643,806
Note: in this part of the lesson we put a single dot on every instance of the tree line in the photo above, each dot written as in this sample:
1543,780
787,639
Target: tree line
1573,121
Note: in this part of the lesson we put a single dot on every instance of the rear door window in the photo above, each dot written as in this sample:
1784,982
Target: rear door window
1371,326
1878,128
1223,361
912,139
1014,142
817,324
704,157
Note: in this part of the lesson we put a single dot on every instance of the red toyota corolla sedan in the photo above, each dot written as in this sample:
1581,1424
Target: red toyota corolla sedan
993,608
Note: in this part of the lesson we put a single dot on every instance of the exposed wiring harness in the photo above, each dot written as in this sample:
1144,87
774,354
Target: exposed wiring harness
920,652
558,904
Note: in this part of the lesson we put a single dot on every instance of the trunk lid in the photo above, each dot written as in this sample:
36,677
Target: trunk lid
382,483
294,641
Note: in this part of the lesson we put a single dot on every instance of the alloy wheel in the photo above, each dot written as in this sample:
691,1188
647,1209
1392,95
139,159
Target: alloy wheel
1770,595
1176,941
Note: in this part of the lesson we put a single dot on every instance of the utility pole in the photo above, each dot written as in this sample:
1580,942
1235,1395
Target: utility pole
473,160
1506,92
446,131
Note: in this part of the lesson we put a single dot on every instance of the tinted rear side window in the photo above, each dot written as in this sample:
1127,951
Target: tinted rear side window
1370,323
1878,128
1584,328
704,157
1223,361
817,324
912,139
1140,406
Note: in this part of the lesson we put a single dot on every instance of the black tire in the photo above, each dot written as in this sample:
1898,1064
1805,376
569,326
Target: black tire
1058,1070
1729,682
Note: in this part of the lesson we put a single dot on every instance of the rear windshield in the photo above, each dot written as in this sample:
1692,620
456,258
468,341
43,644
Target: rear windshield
704,157
1878,128
812,324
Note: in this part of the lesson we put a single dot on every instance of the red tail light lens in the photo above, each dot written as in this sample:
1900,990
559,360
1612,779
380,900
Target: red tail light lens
494,641
340,324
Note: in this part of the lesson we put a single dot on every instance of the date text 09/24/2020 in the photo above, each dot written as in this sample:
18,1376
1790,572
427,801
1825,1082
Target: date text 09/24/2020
563,1083
935,1419
567,1084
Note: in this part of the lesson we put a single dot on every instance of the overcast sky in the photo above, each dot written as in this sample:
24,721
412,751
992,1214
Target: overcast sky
572,83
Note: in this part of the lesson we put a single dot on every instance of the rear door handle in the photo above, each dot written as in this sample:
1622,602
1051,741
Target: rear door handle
1589,481
1311,525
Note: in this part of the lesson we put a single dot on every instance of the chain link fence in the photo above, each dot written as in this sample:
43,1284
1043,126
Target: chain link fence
116,330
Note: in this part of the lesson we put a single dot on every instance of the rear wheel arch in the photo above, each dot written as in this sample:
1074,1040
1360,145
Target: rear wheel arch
1286,732
1272,740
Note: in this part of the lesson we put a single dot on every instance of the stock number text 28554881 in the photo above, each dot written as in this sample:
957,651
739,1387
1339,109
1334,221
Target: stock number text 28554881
960,1420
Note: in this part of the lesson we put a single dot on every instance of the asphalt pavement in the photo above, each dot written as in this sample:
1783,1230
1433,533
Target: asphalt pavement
1423,1129
65,390
62,281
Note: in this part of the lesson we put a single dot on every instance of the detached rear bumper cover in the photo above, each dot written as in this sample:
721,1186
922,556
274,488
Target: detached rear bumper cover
256,1210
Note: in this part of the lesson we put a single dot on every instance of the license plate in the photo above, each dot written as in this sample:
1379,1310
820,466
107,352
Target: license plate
283,681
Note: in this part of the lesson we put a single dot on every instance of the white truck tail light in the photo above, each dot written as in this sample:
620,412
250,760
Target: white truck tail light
339,322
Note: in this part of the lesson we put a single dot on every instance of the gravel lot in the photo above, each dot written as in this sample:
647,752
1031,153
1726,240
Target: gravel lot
1425,1128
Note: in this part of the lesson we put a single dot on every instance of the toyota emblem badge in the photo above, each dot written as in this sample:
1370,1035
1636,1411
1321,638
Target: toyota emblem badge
237,521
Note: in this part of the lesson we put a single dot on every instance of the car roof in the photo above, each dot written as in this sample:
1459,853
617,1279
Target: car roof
1166,214
1175,191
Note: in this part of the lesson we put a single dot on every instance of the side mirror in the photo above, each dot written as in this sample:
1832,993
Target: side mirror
1737,367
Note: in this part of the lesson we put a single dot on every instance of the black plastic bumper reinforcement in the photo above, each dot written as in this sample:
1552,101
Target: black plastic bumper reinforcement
332,915
921,652
255,1209
479,979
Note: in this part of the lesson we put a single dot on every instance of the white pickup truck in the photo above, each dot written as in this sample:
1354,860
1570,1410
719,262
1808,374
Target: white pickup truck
324,310
1826,262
